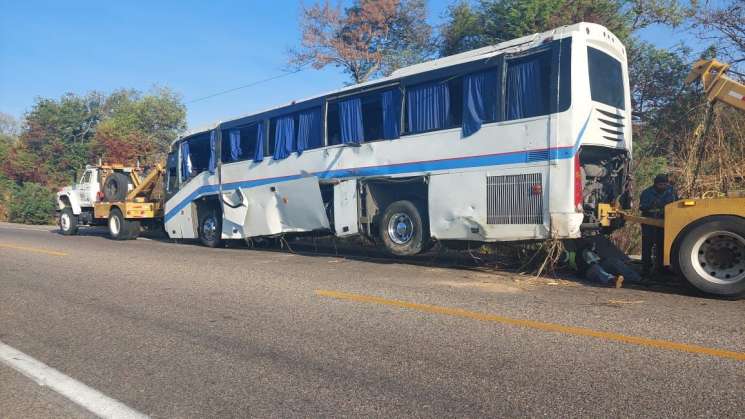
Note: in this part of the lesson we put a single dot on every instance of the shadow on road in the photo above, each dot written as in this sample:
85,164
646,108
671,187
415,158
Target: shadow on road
438,257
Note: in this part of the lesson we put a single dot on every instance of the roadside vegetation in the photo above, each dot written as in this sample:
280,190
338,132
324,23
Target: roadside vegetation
369,39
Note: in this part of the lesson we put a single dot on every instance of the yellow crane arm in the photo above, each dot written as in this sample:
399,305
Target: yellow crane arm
718,87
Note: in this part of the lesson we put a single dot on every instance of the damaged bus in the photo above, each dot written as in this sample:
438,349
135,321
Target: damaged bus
512,142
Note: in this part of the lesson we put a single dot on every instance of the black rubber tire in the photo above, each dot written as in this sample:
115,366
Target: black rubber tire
70,227
419,240
116,187
210,215
683,254
127,229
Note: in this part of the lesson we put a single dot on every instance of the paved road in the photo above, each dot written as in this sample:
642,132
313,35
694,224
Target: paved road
179,330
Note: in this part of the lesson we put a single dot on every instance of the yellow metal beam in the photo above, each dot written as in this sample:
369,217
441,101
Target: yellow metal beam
147,182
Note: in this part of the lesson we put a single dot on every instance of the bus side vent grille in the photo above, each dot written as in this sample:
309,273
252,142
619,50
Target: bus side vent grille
537,155
514,199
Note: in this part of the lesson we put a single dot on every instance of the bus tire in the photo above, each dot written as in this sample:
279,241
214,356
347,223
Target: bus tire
116,187
120,228
402,229
68,222
711,255
210,228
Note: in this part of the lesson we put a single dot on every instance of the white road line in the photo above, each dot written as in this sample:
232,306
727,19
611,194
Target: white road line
86,397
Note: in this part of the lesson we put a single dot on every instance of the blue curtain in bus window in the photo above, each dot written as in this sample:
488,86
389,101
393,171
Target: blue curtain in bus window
284,137
350,119
428,107
235,145
259,153
391,114
525,95
213,160
479,100
185,161
309,130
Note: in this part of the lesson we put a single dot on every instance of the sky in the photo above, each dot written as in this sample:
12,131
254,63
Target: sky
196,48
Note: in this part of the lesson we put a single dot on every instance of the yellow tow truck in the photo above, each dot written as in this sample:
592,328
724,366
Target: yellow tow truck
114,195
704,238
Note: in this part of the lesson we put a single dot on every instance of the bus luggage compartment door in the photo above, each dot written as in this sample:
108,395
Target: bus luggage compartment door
292,206
345,217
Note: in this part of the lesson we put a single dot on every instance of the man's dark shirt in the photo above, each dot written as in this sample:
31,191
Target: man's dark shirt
652,202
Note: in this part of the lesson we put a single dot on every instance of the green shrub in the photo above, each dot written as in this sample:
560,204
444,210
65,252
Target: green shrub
31,203
6,189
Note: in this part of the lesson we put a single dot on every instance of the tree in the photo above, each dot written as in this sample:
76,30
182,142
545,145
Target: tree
367,39
489,22
723,26
140,127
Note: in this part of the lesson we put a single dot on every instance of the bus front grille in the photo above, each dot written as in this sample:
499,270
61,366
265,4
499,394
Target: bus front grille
514,199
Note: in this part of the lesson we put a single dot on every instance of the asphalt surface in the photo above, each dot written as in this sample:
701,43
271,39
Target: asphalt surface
179,330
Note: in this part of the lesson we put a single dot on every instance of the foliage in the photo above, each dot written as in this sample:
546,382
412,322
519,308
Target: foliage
31,203
368,38
139,128
6,188
723,25
60,136
487,22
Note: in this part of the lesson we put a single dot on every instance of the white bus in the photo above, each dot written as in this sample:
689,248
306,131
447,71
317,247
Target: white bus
512,142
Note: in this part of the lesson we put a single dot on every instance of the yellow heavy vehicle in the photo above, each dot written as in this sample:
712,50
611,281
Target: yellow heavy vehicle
115,195
704,238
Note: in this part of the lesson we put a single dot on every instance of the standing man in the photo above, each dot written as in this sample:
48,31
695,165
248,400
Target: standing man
652,204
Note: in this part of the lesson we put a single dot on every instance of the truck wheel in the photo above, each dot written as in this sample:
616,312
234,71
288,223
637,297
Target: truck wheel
210,228
402,229
711,256
120,228
68,222
116,187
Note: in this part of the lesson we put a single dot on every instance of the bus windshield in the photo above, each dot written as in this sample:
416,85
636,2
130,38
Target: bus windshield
606,78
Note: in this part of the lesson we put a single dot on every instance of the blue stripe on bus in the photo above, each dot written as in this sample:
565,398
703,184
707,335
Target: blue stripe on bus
516,157
393,169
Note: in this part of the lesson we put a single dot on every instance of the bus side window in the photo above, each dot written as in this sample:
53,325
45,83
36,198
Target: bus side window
528,86
239,144
379,111
434,106
172,173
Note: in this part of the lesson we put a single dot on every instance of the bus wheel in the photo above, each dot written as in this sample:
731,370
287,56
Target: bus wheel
402,229
711,256
210,228
68,222
120,228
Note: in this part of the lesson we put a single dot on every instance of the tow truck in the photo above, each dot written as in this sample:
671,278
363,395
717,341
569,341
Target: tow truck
115,195
704,238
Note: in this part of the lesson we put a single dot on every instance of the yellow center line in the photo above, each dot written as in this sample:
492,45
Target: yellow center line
532,324
33,249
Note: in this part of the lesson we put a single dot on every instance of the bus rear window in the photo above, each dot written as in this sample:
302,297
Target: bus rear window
606,79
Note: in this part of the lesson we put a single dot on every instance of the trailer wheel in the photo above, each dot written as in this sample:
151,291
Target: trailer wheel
116,187
210,228
68,222
711,256
120,228
402,229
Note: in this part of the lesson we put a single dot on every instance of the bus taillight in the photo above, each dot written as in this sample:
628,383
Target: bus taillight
577,184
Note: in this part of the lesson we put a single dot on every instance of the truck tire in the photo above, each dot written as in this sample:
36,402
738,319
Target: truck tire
68,222
120,228
116,187
210,228
402,229
711,255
